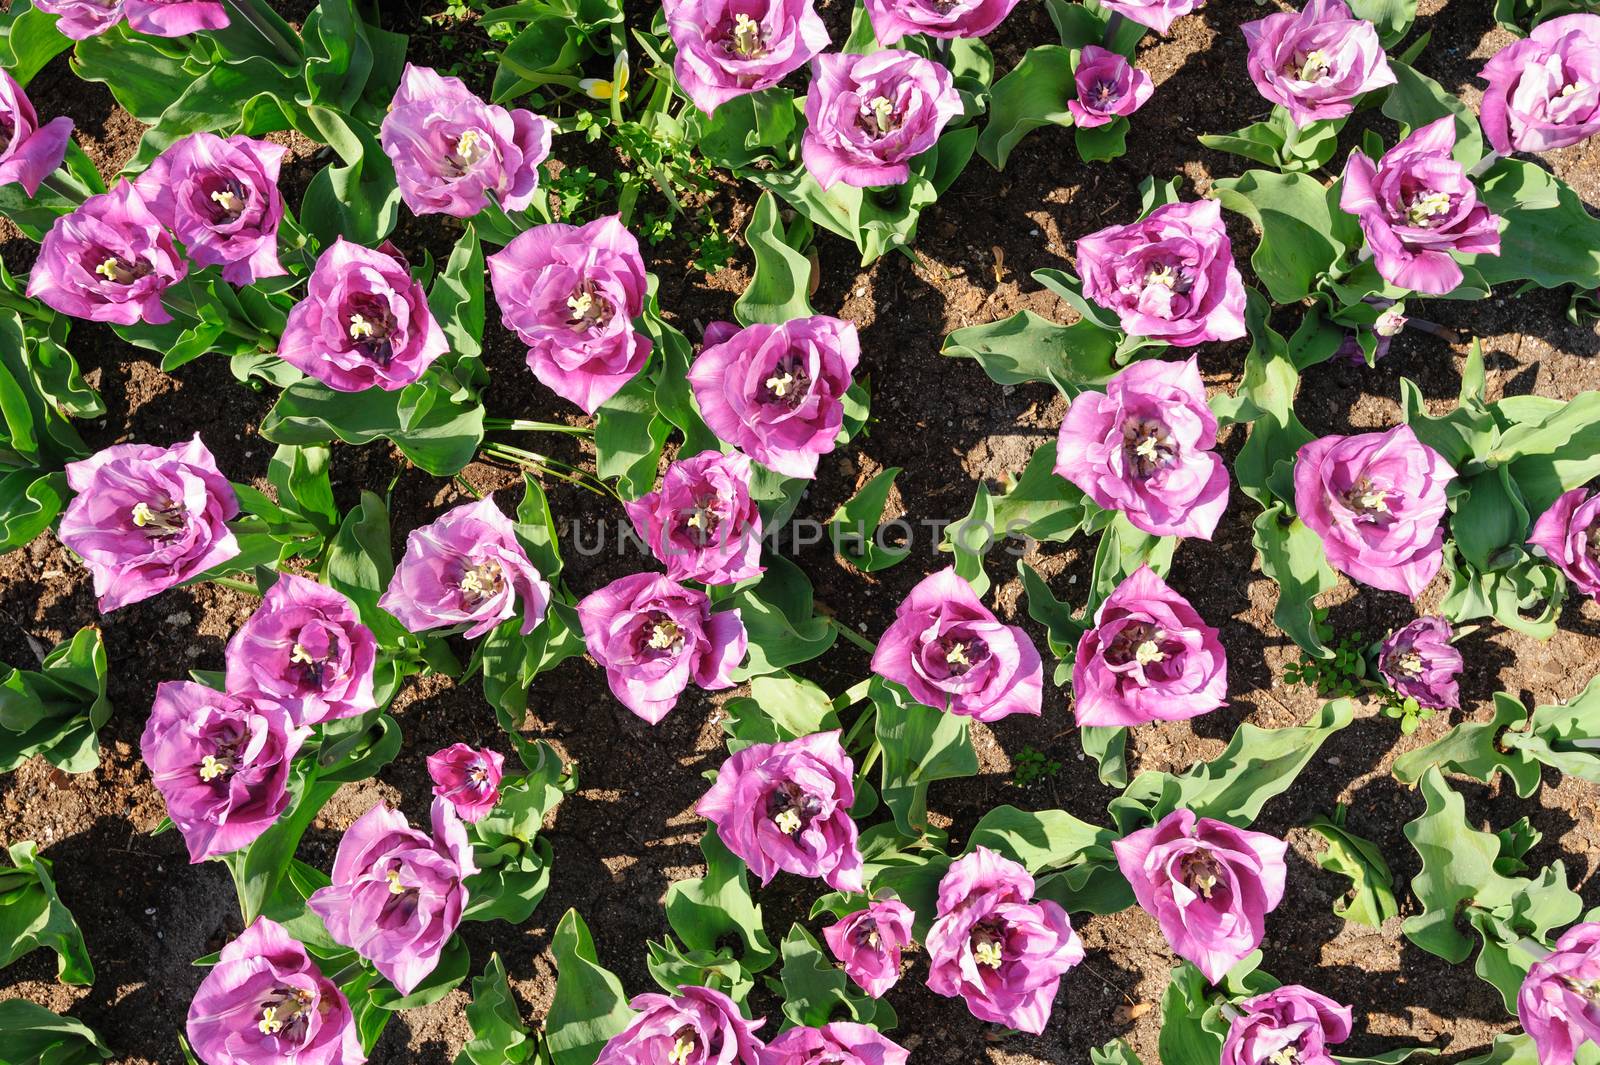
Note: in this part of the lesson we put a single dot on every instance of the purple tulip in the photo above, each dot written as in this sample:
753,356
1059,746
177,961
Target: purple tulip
305,648
1287,1024
110,260
727,48
776,392
697,1026
952,654
466,569
701,523
265,1002
1169,276
82,19
1316,62
995,947
839,1043
653,636
1569,535
895,19
451,150
868,116
1557,1004
1158,15
571,294
1544,91
397,893
221,762
1108,87
220,197
364,322
1209,886
174,18
1416,206
868,944
1376,500
1419,662
29,152
468,778
1149,657
787,806
146,518
1145,445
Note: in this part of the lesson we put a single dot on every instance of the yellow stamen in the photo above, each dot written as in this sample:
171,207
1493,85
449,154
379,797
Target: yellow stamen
395,887
1146,448
1315,66
270,1025
872,938
1286,1056
1165,276
226,200
211,768
300,655
665,635
1147,652
987,954
107,269
780,384
580,304
360,327
685,1045
467,149
1425,207
143,515
957,656
1206,884
788,822
882,112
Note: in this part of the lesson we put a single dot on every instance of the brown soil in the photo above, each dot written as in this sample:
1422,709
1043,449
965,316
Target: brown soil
629,831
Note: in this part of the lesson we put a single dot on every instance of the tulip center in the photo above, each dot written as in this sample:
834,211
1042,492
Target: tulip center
1284,1056
229,199
791,808
8,130
787,385
1592,542
286,1014
120,271
988,938
1104,93
159,523
1148,446
878,117
371,329
1141,644
1409,664
312,660
745,39
588,308
665,635
212,767
683,1048
866,934
395,886
483,581
1315,65
1367,499
1426,207
1199,872
469,148
702,521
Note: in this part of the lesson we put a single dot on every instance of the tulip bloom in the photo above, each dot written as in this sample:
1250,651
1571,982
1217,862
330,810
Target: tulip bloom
653,636
147,518
776,392
1544,90
174,18
397,893
1157,15
221,762
467,778
727,48
839,1043
29,152
1290,1023
364,322
1169,276
1209,886
82,19
868,116
868,943
466,569
787,806
1144,446
701,523
895,19
571,294
1109,87
1149,657
451,150
1419,661
1316,62
1558,1004
220,197
1376,500
1001,952
1416,206
110,260
266,1001
952,654
306,648
697,1026
1569,535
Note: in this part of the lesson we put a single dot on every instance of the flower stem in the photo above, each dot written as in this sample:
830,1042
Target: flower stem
854,637
872,757
1482,166
236,585
1291,137
1532,946
62,189
853,695
868,717
523,425
268,32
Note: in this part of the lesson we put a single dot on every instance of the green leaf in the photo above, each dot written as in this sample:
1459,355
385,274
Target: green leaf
778,620
438,433
816,991
854,529
629,434
1547,236
1108,746
779,289
454,963
1488,516
1416,100
358,200
1041,841
32,915
798,706
259,867
28,41
1116,1052
1304,234
1293,556
920,745
1393,18
145,74
705,911
1122,550
1100,144
58,710
1034,94
589,1005
1563,736
1474,748
456,298
1185,1039
1026,347
1519,583
31,1033
1370,900
498,1034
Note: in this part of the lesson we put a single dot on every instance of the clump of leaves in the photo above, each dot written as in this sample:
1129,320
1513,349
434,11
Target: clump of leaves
1342,675
1406,710
1031,766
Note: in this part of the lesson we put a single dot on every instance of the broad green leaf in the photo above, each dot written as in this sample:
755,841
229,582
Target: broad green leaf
1416,100
498,1035
1370,900
798,706
708,911
816,991
1304,234
1041,841
1026,347
32,915
58,710
1293,556
629,434
920,745
31,1033
779,289
589,1005
778,620
854,529
433,430
1034,94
